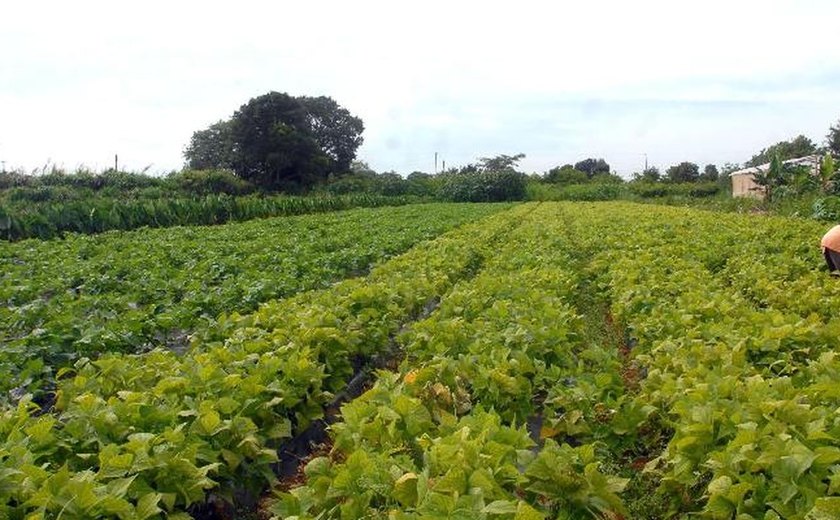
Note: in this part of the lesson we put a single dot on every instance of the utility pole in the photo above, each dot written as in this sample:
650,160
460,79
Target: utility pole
435,162
116,162
444,166
646,163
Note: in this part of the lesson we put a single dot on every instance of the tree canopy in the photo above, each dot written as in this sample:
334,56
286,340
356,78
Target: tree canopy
500,162
650,174
211,148
710,173
799,146
683,172
565,175
592,166
280,142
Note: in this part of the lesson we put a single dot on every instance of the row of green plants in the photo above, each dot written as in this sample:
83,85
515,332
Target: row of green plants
134,291
57,184
54,203
636,190
719,402
150,435
467,427
740,373
45,213
21,219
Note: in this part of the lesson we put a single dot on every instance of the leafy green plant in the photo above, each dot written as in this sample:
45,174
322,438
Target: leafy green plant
483,186
827,208
568,479
130,292
175,427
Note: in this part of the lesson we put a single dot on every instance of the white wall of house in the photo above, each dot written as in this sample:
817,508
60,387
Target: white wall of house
743,181
744,185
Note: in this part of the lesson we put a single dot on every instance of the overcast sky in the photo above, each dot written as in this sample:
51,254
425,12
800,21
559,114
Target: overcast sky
708,82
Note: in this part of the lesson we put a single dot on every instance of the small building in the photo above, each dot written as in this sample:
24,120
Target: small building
743,181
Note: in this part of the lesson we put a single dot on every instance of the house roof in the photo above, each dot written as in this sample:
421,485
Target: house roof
811,160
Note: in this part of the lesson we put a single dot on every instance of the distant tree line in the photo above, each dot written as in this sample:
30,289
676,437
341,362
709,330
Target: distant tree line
489,179
280,143
682,172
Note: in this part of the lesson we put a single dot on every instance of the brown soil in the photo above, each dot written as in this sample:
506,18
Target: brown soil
631,373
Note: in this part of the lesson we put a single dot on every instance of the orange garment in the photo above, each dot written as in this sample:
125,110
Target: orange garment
831,240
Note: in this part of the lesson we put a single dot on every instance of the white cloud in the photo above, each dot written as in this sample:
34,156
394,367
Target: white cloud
559,81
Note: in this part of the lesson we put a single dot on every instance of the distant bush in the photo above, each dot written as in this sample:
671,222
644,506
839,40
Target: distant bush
610,189
389,184
45,194
649,190
349,183
14,179
483,186
705,189
119,180
592,192
56,184
423,184
566,175
579,192
208,182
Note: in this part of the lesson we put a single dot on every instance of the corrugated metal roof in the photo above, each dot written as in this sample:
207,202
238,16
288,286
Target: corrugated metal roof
752,170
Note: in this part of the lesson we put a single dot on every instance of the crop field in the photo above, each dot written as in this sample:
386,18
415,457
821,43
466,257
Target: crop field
535,361
129,292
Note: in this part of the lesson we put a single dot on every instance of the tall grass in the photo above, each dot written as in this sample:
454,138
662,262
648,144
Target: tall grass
21,219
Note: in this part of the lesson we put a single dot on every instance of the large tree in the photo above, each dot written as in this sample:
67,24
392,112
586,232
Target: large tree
799,146
592,166
274,146
211,148
280,142
500,162
710,173
683,172
335,129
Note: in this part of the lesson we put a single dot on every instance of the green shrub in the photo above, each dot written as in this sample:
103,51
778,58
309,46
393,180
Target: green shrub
648,190
566,175
208,182
486,186
14,179
391,184
44,194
